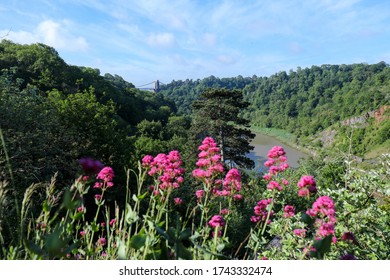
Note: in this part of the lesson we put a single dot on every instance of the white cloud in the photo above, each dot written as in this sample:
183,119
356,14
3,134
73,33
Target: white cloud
182,38
161,40
165,13
55,34
132,29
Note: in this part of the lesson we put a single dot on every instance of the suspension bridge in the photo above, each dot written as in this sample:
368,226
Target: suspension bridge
149,87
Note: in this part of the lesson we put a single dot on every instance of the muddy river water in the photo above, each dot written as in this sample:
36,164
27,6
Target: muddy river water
263,143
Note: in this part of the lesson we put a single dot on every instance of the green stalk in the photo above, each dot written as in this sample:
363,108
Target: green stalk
96,216
269,212
18,214
205,210
215,240
304,253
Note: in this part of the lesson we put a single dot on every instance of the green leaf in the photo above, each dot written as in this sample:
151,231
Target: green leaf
164,233
322,247
254,237
172,234
163,250
307,219
138,241
67,201
34,248
46,207
76,216
131,215
94,227
142,196
185,234
121,250
220,247
182,252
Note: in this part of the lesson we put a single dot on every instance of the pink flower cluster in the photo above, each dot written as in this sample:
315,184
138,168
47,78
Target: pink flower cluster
276,152
288,211
323,210
300,232
231,185
261,211
166,168
209,164
199,194
306,185
233,180
101,241
276,164
274,185
112,222
217,221
324,207
178,201
106,176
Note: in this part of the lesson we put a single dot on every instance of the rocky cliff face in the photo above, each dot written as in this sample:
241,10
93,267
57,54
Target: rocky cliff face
361,121
382,113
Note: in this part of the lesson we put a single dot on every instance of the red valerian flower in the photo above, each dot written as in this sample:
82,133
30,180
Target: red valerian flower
209,160
178,200
289,211
300,232
217,221
166,167
276,164
306,185
323,210
261,212
106,175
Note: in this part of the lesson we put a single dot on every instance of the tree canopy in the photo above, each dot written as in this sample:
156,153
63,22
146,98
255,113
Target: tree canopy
307,101
217,114
52,114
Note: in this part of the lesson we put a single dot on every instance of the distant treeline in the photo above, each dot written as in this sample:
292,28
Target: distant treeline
52,114
306,101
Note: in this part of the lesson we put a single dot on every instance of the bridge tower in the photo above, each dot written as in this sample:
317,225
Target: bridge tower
156,86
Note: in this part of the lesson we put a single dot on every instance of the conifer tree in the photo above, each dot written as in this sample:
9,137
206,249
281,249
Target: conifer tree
217,114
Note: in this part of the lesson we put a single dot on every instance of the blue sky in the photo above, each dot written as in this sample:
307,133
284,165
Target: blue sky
144,40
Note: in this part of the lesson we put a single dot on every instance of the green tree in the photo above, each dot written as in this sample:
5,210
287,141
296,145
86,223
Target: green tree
217,114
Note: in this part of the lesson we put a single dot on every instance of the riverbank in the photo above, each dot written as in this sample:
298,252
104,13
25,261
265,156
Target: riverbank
283,136
262,143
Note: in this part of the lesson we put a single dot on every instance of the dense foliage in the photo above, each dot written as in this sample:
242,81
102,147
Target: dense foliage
152,179
53,114
308,101
291,215
217,114
185,92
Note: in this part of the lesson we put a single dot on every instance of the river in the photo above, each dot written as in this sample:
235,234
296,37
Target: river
263,143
